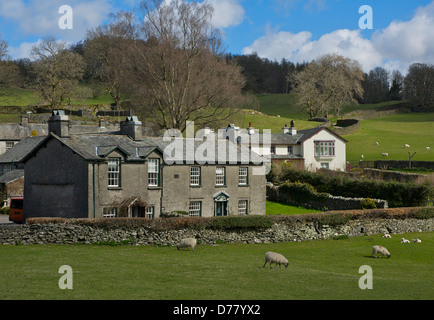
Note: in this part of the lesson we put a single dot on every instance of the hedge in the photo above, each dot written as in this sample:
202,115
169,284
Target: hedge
397,194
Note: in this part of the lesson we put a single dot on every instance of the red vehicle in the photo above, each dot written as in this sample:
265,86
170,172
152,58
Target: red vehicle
16,209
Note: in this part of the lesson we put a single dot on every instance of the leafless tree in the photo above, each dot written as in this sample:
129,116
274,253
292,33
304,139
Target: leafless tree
328,83
178,68
56,70
105,52
419,85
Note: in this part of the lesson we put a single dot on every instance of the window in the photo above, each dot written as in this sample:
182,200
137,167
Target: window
325,165
273,149
195,209
290,150
150,212
110,213
243,176
220,176
153,172
324,149
195,176
242,207
9,145
114,173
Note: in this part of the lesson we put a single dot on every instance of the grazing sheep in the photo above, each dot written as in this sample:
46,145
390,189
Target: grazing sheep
384,154
386,235
406,146
404,240
379,249
277,258
417,240
377,143
187,243
428,149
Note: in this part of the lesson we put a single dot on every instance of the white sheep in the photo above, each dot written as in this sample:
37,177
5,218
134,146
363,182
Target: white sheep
277,258
403,240
386,235
187,243
384,154
377,143
406,146
428,149
379,249
417,240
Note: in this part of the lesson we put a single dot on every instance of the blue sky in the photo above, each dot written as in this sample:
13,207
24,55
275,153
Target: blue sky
298,30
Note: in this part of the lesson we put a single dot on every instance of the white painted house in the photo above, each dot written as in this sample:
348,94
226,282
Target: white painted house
309,149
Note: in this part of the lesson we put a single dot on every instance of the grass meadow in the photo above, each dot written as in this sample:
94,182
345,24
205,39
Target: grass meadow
318,270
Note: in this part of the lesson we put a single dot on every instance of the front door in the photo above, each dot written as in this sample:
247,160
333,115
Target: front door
221,208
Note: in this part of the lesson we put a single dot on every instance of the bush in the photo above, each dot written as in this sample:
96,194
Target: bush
368,203
241,222
301,193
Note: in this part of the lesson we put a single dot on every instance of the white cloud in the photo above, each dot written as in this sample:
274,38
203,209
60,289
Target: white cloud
395,47
227,13
23,50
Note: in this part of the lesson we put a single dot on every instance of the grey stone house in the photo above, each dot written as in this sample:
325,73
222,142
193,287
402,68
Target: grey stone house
123,174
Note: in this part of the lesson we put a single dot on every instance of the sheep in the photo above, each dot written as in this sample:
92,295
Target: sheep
377,143
417,240
403,240
384,154
277,258
386,235
187,243
406,146
428,149
382,250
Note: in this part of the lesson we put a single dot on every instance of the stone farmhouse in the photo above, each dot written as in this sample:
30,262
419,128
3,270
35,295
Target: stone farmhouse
125,174
310,149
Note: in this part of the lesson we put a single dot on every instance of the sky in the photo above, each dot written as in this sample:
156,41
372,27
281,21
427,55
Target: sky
402,31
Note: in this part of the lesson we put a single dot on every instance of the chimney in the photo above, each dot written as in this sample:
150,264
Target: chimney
132,127
293,130
59,123
285,129
251,130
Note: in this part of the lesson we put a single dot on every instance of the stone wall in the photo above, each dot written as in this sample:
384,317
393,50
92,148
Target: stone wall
299,230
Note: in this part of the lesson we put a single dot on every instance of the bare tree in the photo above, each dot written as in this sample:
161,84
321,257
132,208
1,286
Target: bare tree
105,52
179,71
419,85
56,70
328,83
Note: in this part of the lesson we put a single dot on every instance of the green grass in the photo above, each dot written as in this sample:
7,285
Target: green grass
392,133
18,97
326,269
275,208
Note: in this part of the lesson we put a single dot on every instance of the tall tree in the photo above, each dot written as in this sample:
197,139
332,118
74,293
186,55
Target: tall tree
328,83
419,85
179,70
56,70
397,85
105,52
9,73
376,86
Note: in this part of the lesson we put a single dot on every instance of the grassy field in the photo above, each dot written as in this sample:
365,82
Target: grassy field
274,208
392,133
327,269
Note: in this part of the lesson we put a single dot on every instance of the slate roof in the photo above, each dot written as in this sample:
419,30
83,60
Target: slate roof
95,147
300,137
17,153
12,176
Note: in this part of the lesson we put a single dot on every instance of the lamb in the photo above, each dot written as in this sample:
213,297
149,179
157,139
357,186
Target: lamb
417,240
382,250
406,146
386,235
377,143
277,258
384,154
187,243
403,240
428,149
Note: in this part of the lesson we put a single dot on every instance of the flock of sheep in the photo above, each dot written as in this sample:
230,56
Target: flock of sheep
279,259
406,146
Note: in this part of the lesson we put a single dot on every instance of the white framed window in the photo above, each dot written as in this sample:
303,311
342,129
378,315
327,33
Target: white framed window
273,150
195,209
220,176
149,212
195,176
242,207
324,165
110,213
243,176
153,172
324,148
114,166
290,150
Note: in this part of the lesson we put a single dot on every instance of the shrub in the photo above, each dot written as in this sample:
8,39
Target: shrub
301,193
368,203
241,222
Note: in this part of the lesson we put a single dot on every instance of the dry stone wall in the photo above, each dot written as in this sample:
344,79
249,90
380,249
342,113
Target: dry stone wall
278,232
